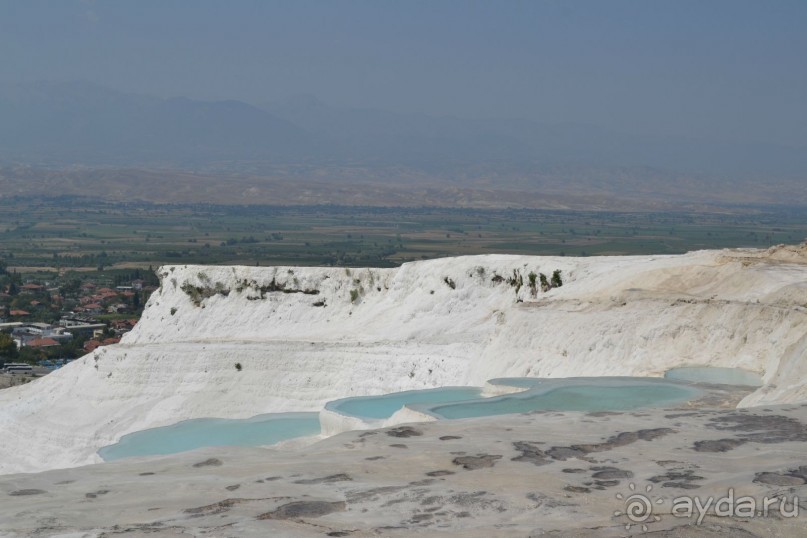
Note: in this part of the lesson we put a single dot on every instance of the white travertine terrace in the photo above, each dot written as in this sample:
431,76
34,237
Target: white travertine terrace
444,322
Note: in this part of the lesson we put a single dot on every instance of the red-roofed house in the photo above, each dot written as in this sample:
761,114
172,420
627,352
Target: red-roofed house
42,342
91,345
124,324
19,313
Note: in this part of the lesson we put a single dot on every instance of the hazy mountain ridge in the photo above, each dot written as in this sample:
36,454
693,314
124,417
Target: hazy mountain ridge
378,134
84,123
70,137
79,122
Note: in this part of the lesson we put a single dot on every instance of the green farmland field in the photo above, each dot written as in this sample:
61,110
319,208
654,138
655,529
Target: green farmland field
64,234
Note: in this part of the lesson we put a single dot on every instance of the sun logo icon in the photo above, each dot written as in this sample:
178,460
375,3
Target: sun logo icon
639,507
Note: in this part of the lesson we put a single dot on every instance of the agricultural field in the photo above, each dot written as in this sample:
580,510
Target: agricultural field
43,236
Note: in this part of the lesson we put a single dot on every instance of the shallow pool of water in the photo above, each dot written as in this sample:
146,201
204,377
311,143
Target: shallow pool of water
384,406
713,374
190,434
573,394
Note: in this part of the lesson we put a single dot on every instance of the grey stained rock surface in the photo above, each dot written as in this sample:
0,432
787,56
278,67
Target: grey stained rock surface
542,474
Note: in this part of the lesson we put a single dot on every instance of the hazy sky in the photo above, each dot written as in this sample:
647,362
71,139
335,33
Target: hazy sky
729,69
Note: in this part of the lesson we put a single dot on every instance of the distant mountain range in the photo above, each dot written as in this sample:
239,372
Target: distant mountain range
83,123
444,141
80,126
87,124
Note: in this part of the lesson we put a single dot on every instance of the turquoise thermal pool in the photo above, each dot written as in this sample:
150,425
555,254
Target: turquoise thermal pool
573,394
570,394
190,434
713,374
384,406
